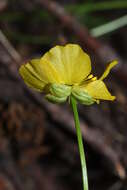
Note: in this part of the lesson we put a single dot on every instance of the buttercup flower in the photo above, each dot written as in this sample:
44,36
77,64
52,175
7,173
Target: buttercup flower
64,71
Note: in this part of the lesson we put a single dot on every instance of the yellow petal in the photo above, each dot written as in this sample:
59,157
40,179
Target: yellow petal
46,71
30,78
70,61
37,74
98,90
107,70
32,66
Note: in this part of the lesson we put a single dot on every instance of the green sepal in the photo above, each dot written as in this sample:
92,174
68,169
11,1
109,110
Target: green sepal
55,99
82,96
60,90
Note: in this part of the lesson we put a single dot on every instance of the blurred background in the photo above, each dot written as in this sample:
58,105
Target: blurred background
38,144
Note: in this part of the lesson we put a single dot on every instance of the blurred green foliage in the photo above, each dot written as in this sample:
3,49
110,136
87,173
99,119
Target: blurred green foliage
81,9
88,13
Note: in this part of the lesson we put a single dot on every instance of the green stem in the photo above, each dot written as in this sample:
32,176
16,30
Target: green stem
80,143
109,27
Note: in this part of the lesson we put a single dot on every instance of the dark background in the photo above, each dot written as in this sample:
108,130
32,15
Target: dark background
38,145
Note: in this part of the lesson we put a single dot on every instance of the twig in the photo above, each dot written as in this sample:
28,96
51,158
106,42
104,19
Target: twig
3,4
9,48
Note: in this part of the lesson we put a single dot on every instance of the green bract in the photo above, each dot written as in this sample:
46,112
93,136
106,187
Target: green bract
55,99
82,96
60,90
58,93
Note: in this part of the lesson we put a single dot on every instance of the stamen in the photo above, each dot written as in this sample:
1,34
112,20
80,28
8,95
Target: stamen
90,76
94,78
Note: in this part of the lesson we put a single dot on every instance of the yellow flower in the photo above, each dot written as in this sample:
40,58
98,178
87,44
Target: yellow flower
64,71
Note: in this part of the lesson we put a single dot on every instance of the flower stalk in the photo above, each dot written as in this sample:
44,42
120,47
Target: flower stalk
80,143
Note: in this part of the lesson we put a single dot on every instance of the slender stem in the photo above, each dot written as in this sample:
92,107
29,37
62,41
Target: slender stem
109,27
80,143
